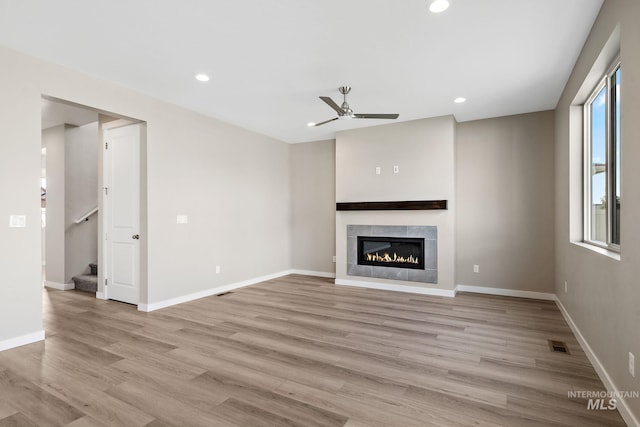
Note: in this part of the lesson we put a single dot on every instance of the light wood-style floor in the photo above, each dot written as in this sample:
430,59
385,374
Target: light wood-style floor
300,351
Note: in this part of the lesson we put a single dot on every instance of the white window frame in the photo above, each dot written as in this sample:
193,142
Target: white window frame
610,160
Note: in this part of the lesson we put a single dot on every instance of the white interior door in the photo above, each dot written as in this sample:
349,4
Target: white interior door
122,213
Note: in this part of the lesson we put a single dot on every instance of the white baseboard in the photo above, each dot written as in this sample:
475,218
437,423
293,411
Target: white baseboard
207,293
313,273
447,292
22,340
622,405
100,295
397,288
506,292
59,286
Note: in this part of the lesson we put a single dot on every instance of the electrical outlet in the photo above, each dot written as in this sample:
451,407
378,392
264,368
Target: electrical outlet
632,365
565,287
476,268
334,258
217,269
378,170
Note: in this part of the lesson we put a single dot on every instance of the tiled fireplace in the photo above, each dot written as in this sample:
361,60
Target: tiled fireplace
393,252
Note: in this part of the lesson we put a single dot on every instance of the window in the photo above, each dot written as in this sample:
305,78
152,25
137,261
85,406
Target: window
602,162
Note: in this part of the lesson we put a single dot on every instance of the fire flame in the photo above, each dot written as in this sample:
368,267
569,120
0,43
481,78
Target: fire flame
395,258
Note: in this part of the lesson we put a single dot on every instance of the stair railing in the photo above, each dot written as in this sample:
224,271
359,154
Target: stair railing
86,216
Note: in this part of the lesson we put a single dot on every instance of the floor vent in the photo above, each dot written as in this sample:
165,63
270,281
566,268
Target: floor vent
558,347
224,293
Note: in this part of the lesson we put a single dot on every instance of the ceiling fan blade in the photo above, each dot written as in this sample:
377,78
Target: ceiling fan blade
326,121
376,116
332,104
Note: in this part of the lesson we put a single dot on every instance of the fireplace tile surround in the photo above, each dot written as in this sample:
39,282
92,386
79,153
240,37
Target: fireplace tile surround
428,233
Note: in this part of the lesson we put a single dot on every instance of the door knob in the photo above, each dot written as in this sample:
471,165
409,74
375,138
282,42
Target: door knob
135,237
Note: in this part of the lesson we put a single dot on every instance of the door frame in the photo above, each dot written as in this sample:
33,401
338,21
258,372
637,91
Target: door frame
109,118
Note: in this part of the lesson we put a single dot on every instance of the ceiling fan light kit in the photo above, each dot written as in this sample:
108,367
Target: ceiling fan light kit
345,112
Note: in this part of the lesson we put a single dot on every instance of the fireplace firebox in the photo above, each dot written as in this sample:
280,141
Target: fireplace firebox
399,252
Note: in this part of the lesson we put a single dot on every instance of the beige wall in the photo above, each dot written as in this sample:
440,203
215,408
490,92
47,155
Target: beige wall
81,196
20,141
603,293
234,185
72,176
422,149
313,197
505,199
424,152
53,139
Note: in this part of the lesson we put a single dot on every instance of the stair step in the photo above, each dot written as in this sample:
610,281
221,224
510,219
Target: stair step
86,282
94,268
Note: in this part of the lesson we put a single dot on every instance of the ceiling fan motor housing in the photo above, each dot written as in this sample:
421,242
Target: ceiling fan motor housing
346,110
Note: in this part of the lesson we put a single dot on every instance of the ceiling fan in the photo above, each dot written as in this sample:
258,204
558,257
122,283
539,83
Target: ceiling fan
345,112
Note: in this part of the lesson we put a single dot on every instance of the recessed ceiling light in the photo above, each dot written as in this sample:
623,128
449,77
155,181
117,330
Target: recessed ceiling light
438,6
202,77
310,124
459,100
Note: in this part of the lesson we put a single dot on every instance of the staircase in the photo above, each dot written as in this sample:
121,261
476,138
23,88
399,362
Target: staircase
87,282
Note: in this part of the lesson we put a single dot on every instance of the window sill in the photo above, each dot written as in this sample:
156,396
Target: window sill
602,251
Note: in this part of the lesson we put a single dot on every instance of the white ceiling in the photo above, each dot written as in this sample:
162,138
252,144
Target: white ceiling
269,60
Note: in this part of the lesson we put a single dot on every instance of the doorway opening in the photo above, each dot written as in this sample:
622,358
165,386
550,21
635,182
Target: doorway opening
78,196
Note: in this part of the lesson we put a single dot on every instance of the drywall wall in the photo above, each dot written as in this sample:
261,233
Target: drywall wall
232,183
423,150
20,259
53,139
505,199
603,292
81,196
313,196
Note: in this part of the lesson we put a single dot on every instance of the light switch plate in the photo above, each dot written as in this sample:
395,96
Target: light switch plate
182,219
17,221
